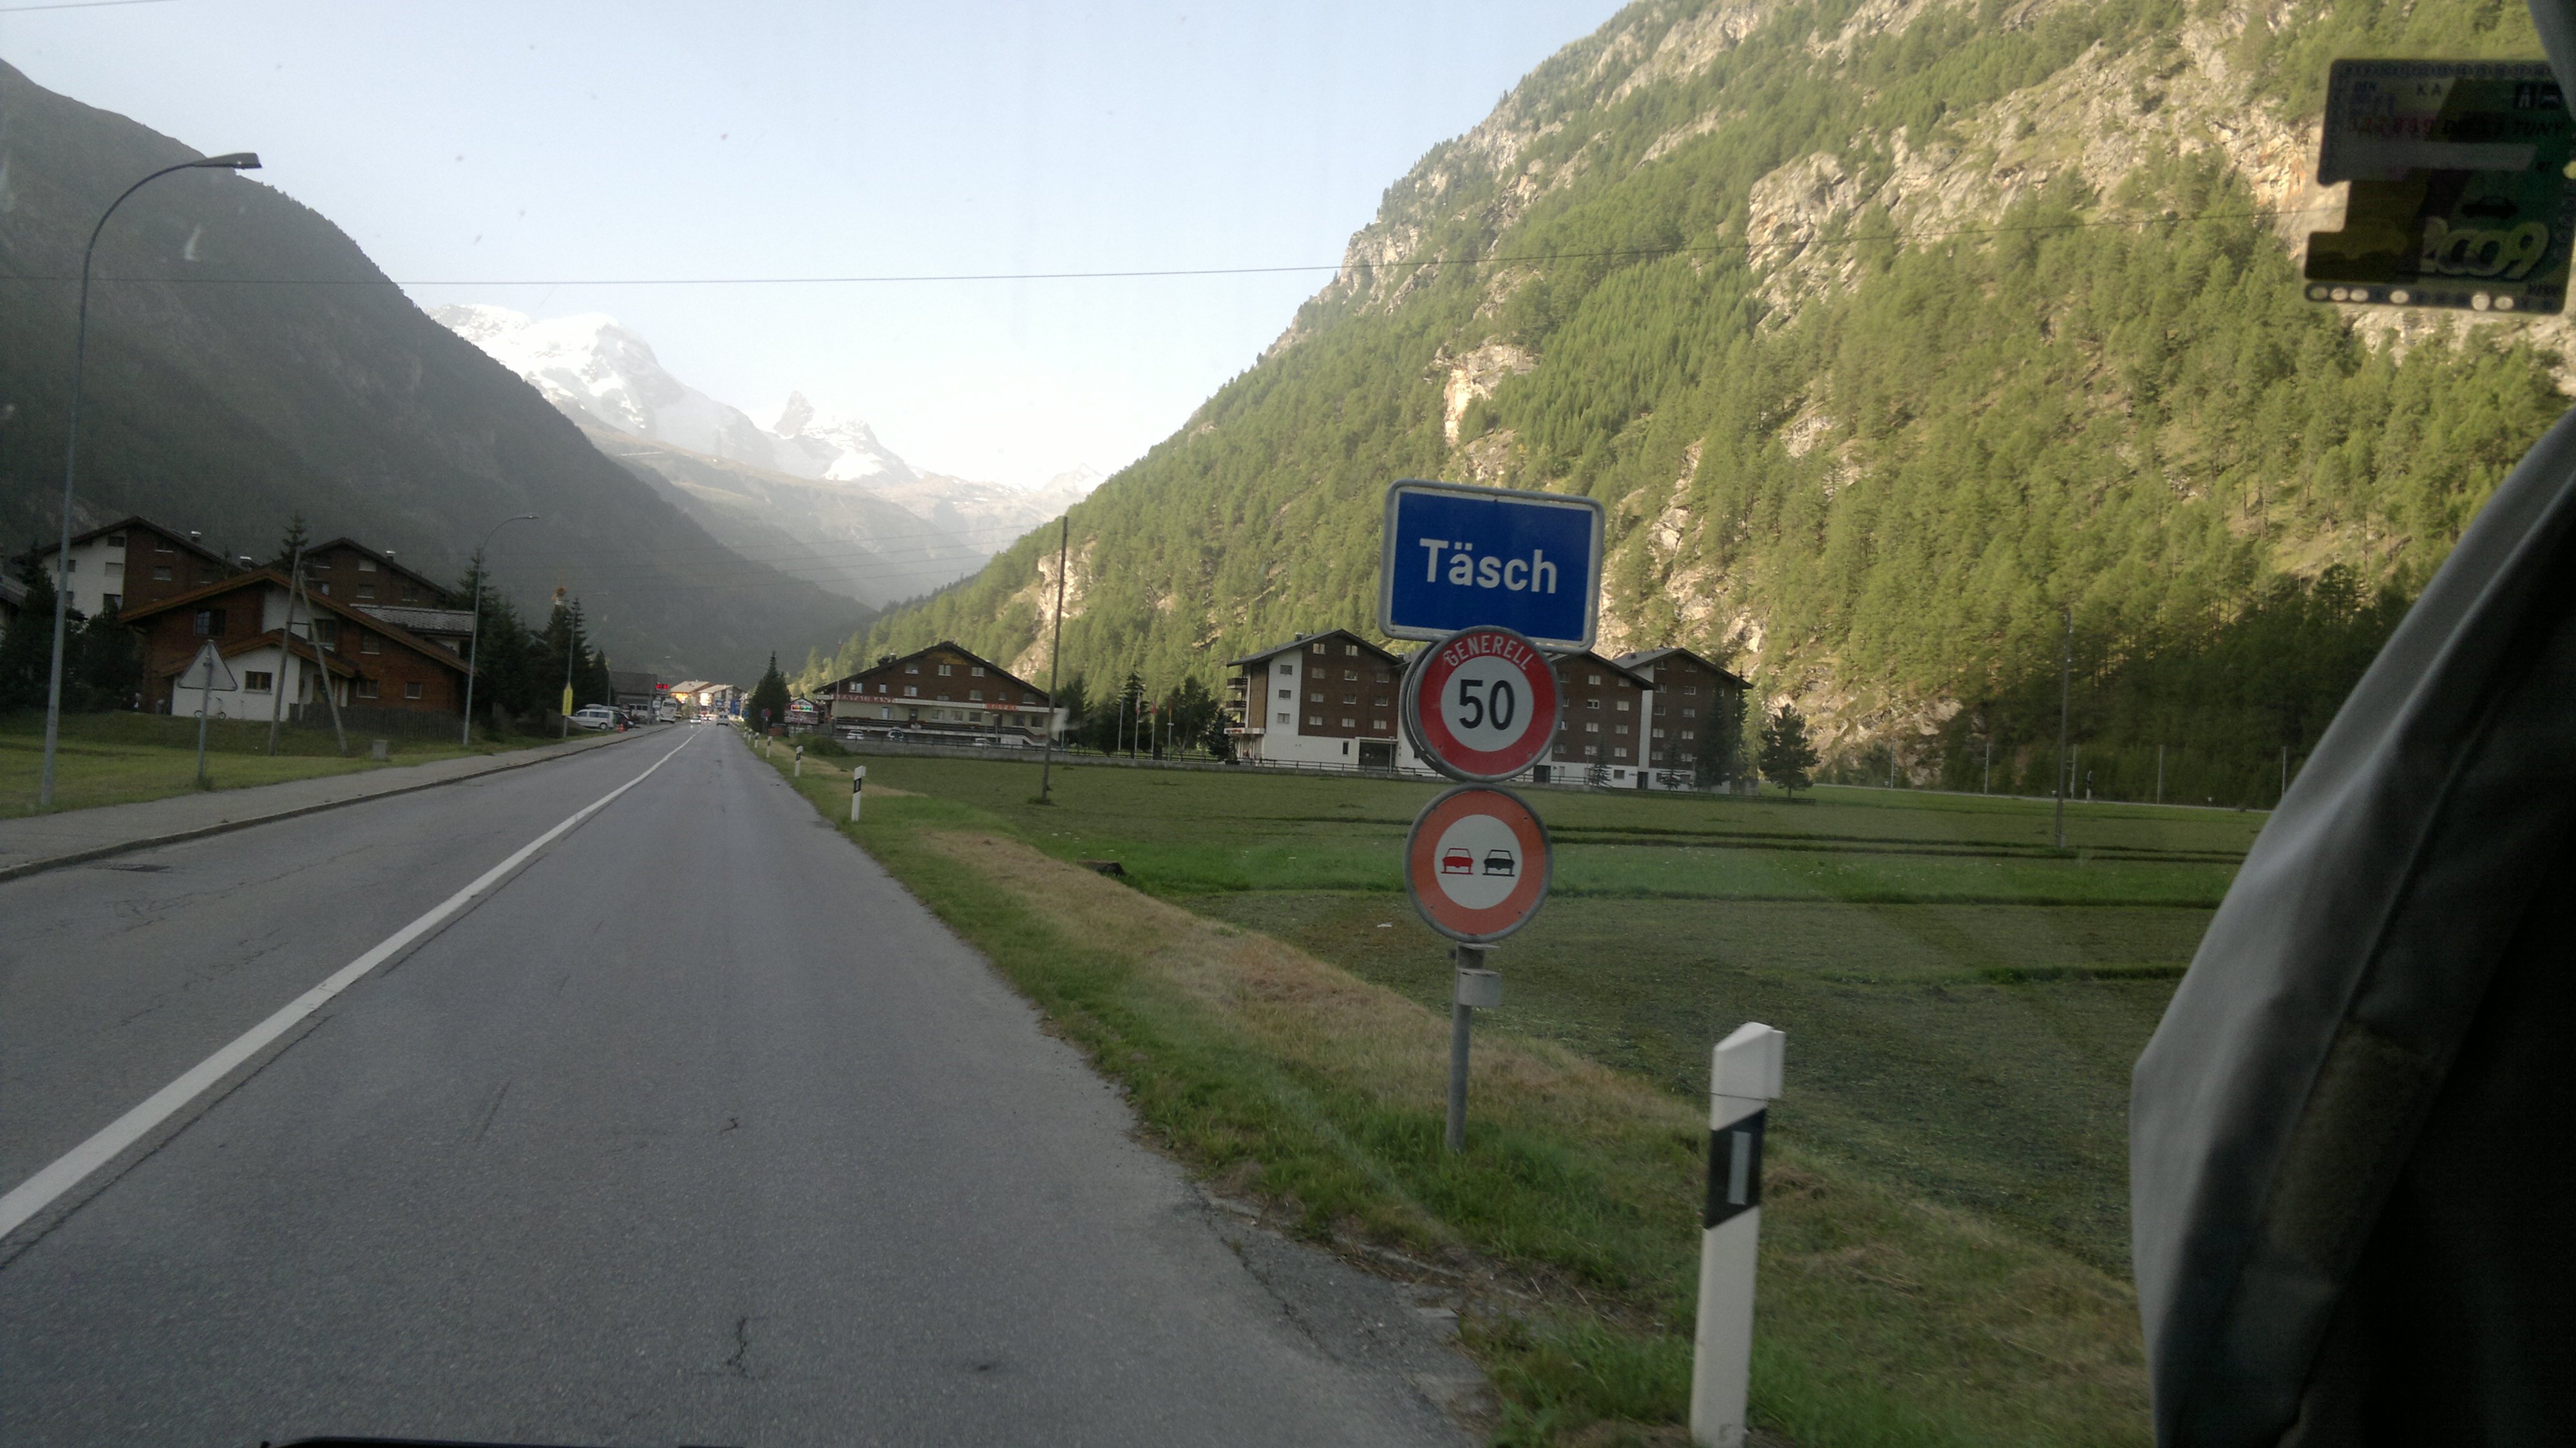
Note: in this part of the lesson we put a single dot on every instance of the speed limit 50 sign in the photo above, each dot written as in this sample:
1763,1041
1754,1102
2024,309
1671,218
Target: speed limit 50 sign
1481,705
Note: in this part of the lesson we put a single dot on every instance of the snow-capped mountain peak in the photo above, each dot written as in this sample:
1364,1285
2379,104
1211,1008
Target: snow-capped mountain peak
836,449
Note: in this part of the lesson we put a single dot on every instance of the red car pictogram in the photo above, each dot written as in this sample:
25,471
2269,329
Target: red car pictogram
1457,862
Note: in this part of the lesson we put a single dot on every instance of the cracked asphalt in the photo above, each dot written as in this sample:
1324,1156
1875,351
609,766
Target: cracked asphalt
698,1130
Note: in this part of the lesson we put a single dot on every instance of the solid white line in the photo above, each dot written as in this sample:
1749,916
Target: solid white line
39,1191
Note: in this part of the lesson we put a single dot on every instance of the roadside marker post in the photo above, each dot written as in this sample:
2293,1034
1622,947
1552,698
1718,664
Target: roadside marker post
800,761
858,783
1744,1078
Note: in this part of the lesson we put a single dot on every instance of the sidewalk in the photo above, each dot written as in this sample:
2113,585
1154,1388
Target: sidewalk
43,842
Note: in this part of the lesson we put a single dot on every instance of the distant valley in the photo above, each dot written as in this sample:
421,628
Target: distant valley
812,494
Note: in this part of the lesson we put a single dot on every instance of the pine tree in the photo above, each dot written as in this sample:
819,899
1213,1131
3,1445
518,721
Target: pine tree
294,541
767,706
1721,739
27,650
1786,754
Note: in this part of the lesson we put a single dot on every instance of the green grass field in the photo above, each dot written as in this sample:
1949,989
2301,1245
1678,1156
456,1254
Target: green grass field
103,759
1945,1255
1963,1002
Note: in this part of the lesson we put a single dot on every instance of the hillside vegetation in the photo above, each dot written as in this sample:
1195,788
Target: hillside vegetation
1891,335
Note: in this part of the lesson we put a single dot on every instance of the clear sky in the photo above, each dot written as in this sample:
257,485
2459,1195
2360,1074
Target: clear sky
518,153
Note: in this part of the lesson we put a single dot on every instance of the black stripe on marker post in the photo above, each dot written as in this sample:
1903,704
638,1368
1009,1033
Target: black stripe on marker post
1734,1170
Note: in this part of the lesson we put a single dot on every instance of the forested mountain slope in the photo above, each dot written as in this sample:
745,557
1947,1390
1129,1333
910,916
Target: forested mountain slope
1886,332
248,362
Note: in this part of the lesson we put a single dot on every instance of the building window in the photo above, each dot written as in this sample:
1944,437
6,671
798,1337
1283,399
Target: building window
1687,711
1378,724
366,565
1686,734
323,589
1352,675
1690,688
975,693
115,540
258,681
1623,706
1622,729
1350,723
113,569
1319,648
911,692
161,573
70,566
1287,693
366,593
1593,728
1315,721
1314,698
325,629
366,688
409,594
210,623
1591,703
1350,698
976,670
1383,676
943,671
1351,649
1592,678
1659,734
164,545
1381,703
1591,751
1618,753
1287,719
369,644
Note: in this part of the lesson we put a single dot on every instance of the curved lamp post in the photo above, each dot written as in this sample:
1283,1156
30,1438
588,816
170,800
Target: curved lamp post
237,161
474,642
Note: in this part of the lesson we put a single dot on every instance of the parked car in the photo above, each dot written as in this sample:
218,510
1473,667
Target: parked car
594,716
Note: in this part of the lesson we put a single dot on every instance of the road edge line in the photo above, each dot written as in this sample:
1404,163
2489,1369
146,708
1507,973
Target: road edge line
25,1201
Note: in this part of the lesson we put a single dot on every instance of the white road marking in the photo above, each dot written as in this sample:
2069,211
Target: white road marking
39,1191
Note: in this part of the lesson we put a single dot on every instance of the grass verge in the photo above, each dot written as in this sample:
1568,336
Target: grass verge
102,759
1571,1219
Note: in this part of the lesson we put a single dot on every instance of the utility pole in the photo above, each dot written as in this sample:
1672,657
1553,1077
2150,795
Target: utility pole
285,649
313,632
2065,671
2160,774
1989,786
1055,659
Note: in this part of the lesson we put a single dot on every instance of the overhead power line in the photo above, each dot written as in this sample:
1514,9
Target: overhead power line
1399,264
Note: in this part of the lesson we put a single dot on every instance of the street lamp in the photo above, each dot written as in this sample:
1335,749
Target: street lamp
237,161
474,636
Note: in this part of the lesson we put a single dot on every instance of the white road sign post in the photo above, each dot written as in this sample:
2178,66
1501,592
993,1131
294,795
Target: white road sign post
1744,1079
205,673
858,783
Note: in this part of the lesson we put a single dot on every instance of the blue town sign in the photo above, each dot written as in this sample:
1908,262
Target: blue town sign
1456,557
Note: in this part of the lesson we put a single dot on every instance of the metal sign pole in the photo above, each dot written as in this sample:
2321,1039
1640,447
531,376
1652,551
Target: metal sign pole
205,690
1473,986
1744,1078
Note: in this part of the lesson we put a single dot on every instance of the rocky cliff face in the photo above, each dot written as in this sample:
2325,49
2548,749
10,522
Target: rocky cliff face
1887,330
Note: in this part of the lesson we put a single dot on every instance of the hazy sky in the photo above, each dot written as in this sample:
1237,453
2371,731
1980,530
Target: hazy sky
518,153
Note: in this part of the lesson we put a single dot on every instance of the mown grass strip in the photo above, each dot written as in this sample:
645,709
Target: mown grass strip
1883,1320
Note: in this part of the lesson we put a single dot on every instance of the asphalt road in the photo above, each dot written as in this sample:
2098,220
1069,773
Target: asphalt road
696,1130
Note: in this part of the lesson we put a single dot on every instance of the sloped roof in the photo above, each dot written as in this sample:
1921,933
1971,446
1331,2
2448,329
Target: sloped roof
384,560
271,578
137,522
1643,659
948,644
1302,640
